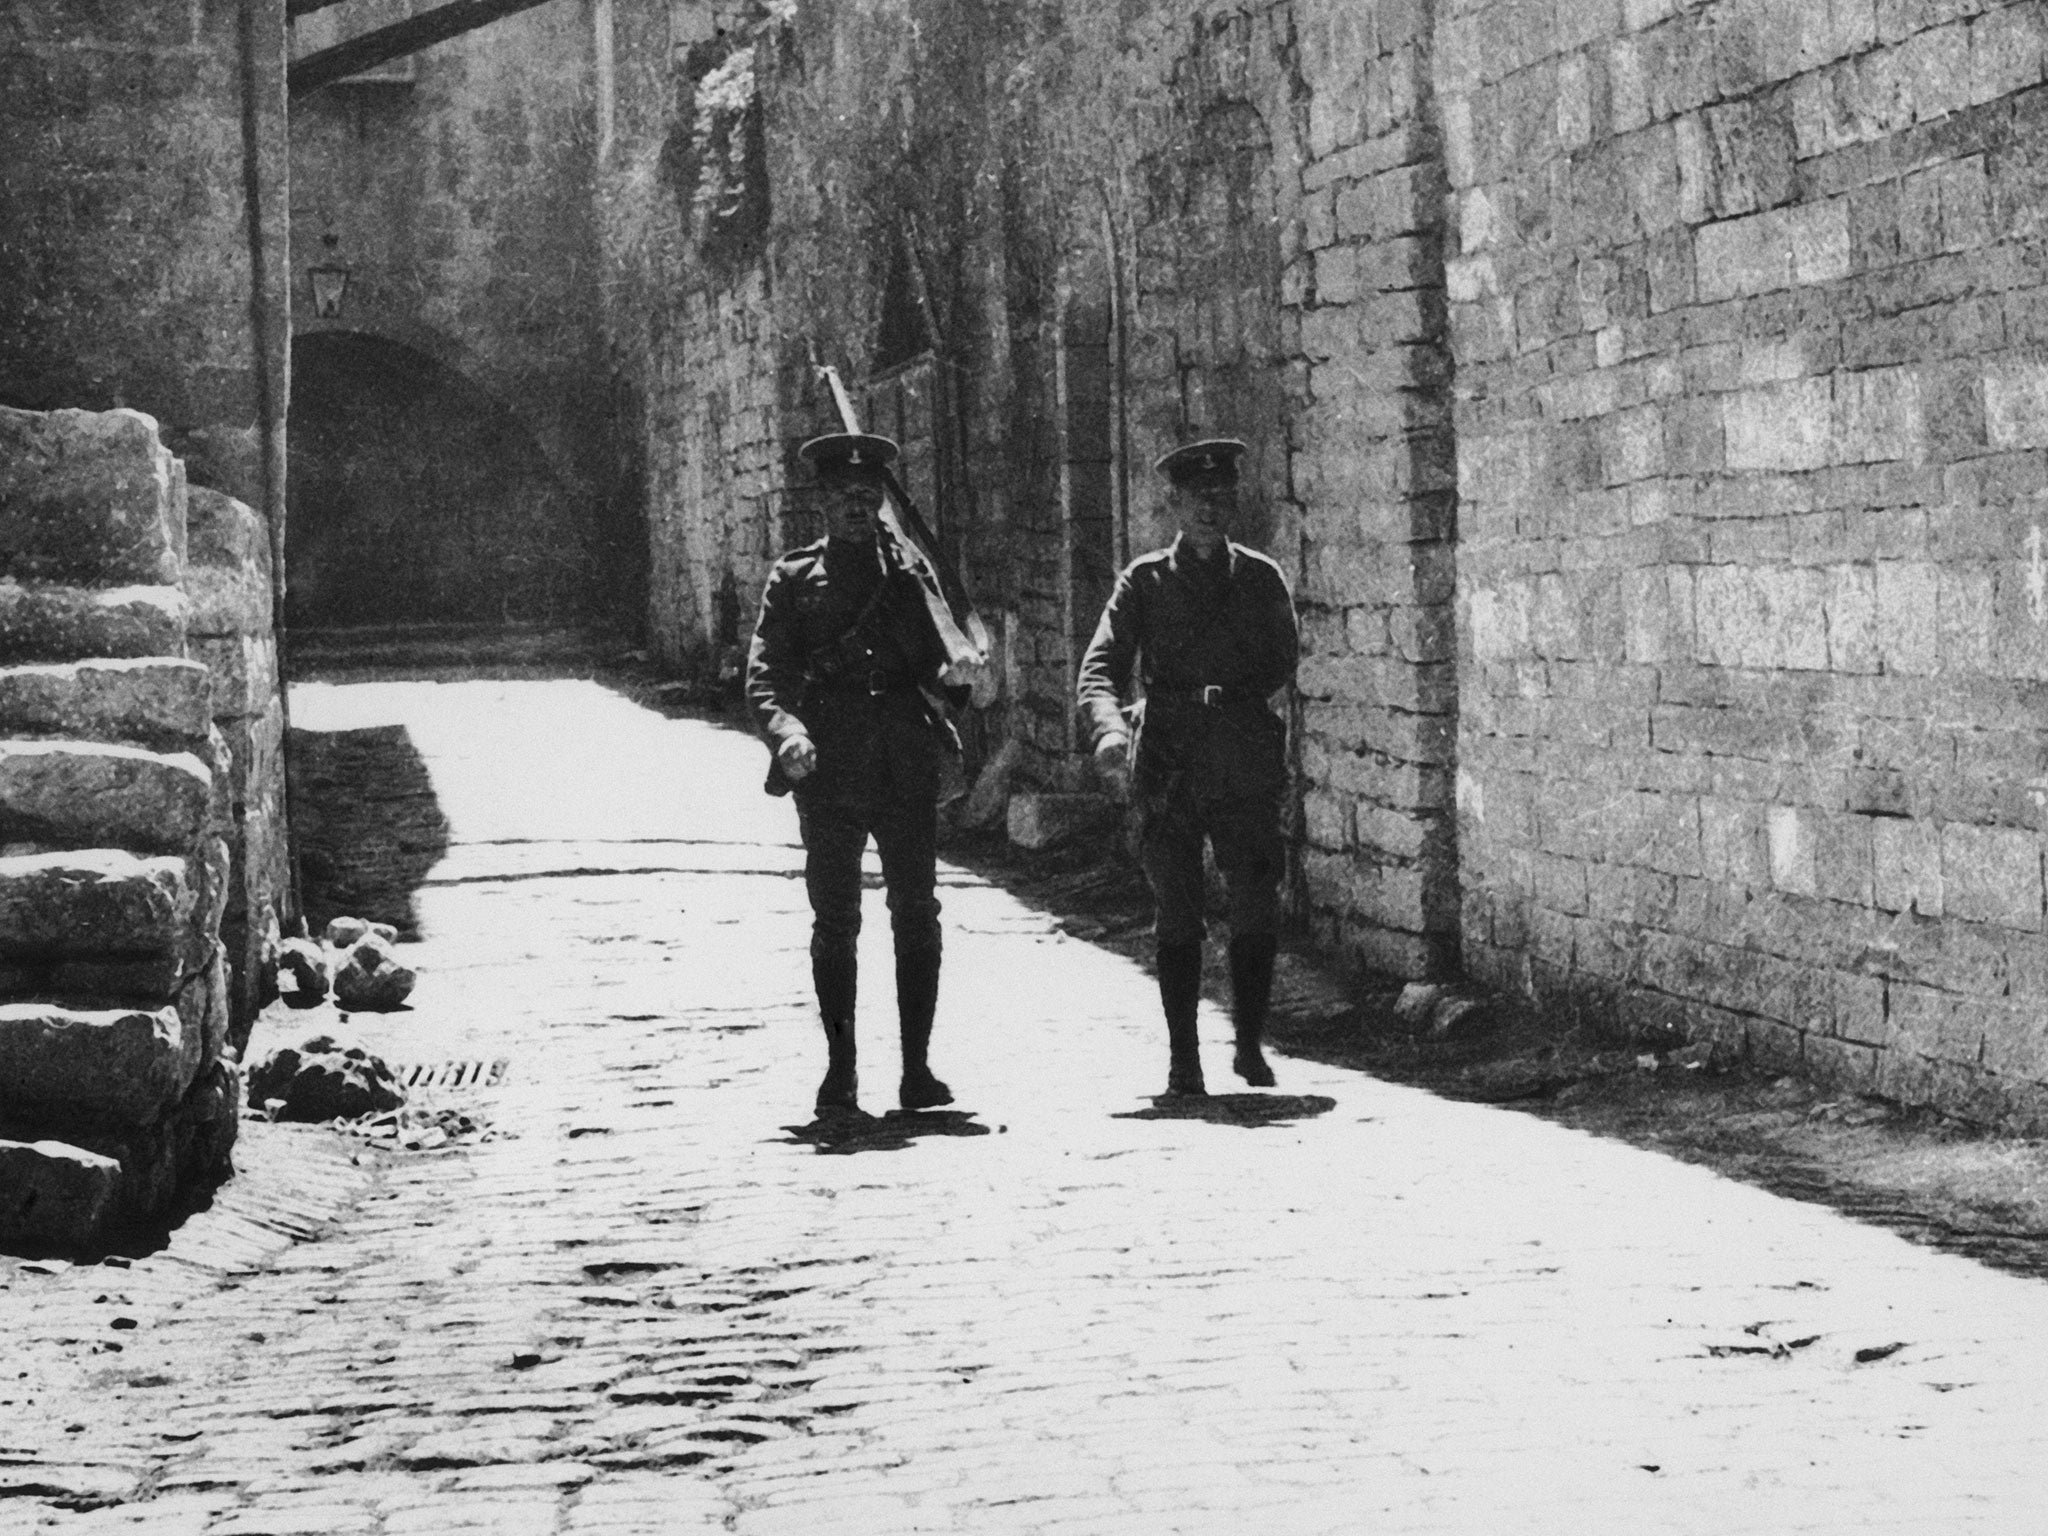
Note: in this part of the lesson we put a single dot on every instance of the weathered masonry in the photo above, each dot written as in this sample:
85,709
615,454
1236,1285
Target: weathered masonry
142,828
1645,400
118,802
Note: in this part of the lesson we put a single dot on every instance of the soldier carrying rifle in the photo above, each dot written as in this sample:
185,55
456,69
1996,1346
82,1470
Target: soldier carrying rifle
844,679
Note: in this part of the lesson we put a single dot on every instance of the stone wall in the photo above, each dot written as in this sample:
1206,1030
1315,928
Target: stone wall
1748,321
143,227
229,630
1642,396
454,453
118,797
1146,225
143,196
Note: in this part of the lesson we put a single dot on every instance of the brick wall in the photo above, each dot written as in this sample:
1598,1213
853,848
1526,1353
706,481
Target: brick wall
1752,633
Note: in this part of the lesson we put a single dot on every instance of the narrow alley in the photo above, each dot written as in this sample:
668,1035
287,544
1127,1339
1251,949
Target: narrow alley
651,1299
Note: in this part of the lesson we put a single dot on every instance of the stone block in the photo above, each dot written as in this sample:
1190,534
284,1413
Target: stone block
244,668
151,699
1907,857
370,978
227,577
222,532
1040,820
156,977
53,623
1405,955
1784,427
203,1015
119,1064
2005,52
101,795
203,1126
227,602
2016,403
92,904
1992,875
88,497
54,1194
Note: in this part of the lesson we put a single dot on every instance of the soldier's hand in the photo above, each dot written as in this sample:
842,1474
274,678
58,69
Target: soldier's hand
798,757
978,677
1112,761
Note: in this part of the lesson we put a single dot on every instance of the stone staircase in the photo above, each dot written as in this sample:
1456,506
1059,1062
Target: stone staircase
122,809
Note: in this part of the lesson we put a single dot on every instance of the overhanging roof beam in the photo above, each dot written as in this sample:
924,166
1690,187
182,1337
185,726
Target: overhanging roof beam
397,40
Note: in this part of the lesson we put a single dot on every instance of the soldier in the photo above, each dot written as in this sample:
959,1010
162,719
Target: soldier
841,675
1208,627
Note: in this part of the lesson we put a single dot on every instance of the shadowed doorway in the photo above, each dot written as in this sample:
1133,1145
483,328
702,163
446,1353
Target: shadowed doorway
416,498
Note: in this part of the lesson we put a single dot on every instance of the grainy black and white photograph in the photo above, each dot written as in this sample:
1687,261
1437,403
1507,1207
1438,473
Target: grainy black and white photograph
1023,767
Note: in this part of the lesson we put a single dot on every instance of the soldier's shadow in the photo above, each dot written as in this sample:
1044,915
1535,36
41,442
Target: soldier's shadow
845,1132
1251,1110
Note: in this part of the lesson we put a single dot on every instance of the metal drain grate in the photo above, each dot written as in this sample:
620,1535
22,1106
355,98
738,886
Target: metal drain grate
455,1074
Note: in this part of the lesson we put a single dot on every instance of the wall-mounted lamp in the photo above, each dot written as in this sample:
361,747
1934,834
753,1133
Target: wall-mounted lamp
330,287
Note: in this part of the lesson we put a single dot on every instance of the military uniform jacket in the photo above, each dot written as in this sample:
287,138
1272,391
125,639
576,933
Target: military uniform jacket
863,699
1209,641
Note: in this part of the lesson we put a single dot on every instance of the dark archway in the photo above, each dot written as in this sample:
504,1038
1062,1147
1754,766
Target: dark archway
416,498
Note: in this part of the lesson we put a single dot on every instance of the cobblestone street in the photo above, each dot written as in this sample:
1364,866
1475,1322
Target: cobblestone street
655,1302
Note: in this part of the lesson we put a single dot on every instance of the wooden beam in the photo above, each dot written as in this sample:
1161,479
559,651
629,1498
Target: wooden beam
396,41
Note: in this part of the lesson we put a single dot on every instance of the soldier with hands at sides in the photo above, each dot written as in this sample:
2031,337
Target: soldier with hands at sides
841,679
1206,628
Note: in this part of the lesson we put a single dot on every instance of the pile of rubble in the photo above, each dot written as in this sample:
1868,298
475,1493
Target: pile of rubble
354,961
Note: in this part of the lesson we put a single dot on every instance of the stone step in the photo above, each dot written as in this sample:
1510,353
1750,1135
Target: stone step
97,1064
227,570
1045,820
150,699
89,496
54,1193
94,905
57,623
94,794
244,669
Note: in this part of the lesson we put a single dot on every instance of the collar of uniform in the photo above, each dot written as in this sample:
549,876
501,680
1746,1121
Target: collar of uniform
1182,556
847,552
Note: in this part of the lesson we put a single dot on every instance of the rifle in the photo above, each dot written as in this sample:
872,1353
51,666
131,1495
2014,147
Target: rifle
960,628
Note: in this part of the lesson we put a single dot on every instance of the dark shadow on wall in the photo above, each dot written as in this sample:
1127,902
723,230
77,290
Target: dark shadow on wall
416,497
367,824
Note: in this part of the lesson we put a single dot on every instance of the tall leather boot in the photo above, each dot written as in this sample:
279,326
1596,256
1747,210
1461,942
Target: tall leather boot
1251,990
1180,993
835,974
917,1000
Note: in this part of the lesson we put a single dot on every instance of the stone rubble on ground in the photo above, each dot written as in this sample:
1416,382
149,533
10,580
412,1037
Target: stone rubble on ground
304,973
354,961
324,1080
369,978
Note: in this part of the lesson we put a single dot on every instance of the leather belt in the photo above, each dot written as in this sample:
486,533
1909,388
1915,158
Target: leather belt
1209,696
874,684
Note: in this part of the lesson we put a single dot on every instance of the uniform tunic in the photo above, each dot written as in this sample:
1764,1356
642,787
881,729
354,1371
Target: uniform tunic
1209,641
880,743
